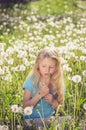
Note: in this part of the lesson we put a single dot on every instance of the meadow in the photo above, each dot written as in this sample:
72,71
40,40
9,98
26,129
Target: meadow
24,30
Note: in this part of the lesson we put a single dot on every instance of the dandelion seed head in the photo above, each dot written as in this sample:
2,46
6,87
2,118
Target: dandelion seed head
28,110
76,78
84,73
84,106
14,108
5,127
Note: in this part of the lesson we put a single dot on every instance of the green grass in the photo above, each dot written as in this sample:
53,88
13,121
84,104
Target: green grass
44,7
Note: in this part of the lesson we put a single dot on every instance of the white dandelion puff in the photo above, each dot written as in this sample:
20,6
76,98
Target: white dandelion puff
84,72
5,127
28,110
14,108
76,78
1,127
84,106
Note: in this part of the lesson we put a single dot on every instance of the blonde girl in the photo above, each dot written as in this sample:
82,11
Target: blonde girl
44,87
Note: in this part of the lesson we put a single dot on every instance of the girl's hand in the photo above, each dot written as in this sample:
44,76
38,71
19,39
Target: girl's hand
44,90
49,98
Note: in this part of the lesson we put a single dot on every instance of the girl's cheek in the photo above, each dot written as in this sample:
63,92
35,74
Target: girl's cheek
52,72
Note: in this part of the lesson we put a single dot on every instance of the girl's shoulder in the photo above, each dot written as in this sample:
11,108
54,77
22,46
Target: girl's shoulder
30,79
28,84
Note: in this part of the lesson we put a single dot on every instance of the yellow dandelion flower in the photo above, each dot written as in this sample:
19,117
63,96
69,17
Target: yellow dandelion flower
59,59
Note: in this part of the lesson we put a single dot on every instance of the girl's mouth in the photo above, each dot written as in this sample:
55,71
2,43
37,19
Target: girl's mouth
49,75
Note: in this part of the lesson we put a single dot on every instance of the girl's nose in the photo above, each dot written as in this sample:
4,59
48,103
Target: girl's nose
48,70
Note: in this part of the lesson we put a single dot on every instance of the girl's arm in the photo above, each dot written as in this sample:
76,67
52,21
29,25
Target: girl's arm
55,104
28,100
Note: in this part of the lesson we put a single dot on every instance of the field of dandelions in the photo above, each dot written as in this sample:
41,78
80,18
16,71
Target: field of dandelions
24,30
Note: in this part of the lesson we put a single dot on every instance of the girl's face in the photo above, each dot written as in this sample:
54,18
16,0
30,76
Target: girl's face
47,67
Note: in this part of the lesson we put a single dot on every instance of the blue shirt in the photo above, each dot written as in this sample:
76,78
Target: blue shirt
43,107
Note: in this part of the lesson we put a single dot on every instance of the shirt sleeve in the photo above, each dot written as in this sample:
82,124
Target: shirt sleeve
28,84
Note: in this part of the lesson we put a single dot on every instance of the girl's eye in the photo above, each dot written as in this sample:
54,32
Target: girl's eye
52,67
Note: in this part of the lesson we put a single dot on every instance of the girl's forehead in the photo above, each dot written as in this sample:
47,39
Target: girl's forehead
47,60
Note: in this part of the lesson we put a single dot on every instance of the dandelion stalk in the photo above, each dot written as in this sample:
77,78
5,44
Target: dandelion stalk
14,120
19,121
42,121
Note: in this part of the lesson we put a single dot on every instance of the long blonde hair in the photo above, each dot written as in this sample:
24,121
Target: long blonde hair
57,79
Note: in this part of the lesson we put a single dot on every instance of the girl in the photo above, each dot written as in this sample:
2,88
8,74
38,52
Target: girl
44,88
